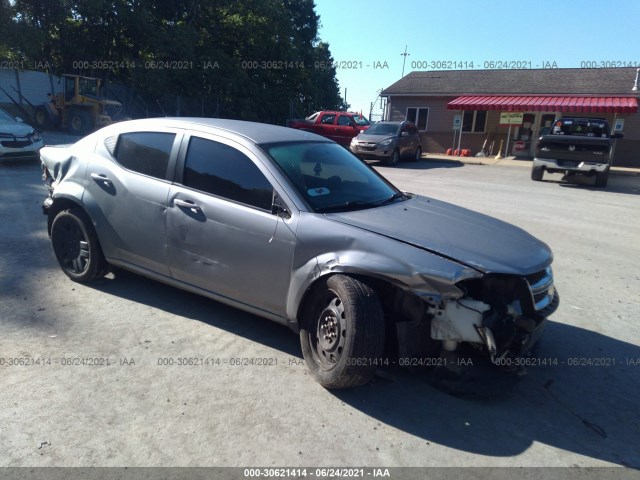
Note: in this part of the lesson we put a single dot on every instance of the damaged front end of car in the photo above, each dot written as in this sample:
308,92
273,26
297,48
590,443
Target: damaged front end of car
487,333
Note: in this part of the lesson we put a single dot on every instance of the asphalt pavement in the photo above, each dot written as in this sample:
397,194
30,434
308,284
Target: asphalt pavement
114,373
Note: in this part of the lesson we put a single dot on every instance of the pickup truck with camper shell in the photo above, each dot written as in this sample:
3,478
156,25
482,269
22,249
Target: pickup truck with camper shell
576,145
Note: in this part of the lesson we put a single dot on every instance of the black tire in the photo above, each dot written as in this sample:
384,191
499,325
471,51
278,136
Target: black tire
537,173
348,315
79,122
42,119
418,155
602,178
76,246
394,159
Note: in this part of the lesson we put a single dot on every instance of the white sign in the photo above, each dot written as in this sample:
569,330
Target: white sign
511,118
457,122
619,125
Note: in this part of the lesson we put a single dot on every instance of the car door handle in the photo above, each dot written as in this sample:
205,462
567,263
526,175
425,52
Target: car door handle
186,204
99,177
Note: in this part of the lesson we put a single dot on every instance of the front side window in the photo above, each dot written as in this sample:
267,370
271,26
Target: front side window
216,168
330,178
344,121
145,152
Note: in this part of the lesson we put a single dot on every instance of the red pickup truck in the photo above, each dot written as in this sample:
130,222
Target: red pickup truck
340,127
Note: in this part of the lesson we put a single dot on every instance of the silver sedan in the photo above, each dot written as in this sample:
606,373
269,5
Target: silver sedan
292,227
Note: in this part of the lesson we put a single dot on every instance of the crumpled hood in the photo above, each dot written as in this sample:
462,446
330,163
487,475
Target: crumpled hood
13,128
471,238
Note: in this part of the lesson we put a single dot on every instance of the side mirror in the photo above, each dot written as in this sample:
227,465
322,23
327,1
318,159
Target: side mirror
19,119
617,135
279,208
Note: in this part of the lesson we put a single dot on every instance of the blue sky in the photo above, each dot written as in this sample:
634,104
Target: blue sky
363,34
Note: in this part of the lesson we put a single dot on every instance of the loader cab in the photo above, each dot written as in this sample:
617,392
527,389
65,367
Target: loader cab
75,86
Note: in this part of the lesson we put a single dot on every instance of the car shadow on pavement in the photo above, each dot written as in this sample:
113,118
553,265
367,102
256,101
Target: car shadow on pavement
626,184
582,400
139,289
585,403
423,164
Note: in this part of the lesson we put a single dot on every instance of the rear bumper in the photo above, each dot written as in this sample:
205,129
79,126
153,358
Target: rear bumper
552,164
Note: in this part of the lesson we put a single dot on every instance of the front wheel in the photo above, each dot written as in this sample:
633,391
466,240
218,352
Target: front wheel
76,246
79,122
418,154
342,334
394,158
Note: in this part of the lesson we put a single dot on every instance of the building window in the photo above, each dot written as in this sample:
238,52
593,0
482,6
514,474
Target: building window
474,121
419,116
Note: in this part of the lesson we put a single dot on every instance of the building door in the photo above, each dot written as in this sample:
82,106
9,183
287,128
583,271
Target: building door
523,136
542,125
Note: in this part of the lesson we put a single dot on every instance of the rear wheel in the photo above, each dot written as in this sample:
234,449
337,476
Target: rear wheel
602,178
42,119
76,246
342,334
537,173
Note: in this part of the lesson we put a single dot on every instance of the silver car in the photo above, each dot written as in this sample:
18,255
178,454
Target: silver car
18,140
290,226
389,142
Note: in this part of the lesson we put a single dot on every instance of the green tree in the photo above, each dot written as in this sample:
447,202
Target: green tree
253,59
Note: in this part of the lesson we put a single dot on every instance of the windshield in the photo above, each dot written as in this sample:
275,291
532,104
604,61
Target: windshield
585,127
360,120
330,178
5,116
383,129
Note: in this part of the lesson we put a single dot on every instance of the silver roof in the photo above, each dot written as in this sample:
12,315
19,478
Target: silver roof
259,133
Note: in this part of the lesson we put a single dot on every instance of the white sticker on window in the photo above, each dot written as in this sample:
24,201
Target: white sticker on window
316,192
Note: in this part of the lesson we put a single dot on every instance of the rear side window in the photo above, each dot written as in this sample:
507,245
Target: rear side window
216,168
145,152
328,119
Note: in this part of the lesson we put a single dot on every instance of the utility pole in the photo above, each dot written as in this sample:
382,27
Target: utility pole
405,58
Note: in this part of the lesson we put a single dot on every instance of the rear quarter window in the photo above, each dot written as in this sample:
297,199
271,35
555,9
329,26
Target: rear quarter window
145,152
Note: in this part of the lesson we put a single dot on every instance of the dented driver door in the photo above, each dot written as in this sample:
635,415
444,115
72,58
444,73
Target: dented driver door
223,235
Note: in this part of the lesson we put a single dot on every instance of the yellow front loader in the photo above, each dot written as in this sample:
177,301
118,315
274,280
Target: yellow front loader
79,108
